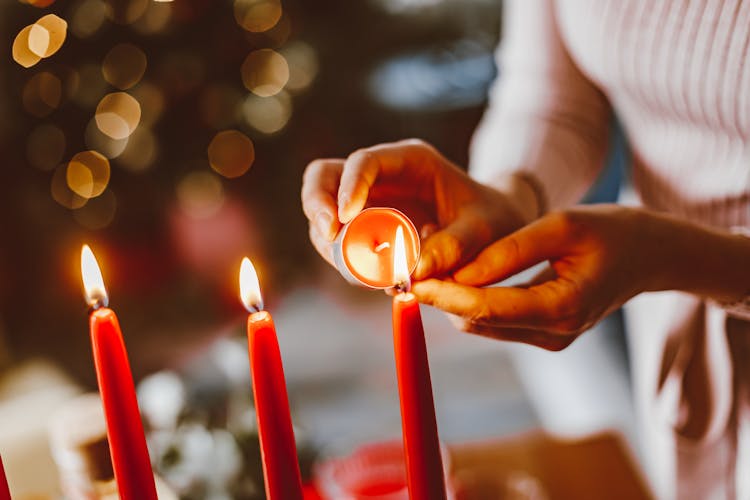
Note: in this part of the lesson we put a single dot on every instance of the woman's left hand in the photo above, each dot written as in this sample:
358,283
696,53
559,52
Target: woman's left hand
600,256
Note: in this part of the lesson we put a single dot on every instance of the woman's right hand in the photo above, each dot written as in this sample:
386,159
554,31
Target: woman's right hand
456,215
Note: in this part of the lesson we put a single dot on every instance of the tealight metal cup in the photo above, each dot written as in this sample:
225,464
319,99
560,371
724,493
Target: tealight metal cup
363,249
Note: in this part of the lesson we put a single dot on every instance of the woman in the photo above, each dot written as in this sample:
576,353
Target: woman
677,74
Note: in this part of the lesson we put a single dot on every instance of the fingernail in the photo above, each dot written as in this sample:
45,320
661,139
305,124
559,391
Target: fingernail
344,202
323,223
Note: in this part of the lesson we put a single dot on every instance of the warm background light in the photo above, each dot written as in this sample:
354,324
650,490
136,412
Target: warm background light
267,115
48,35
257,15
124,66
22,54
200,194
231,153
88,174
264,72
42,94
118,114
88,17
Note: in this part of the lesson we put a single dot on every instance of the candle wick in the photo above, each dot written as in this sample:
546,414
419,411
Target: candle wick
382,246
255,307
98,303
403,286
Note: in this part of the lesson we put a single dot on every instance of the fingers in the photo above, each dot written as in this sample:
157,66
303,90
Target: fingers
506,307
319,187
363,167
443,250
541,240
539,338
321,244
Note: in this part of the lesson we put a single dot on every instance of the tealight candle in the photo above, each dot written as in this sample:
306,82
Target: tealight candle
363,250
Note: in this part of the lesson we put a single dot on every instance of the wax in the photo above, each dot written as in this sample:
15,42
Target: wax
277,446
424,466
4,489
127,442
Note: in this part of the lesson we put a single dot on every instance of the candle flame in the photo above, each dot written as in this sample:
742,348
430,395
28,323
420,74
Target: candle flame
249,287
400,268
93,283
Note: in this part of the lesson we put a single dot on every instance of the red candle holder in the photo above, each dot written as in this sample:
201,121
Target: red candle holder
373,471
363,249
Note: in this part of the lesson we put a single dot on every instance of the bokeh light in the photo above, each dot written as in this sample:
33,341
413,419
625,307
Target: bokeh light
155,19
61,193
47,35
98,213
265,72
151,100
42,94
303,65
141,151
124,66
45,146
200,194
257,15
267,114
126,12
87,174
99,141
219,104
118,114
88,16
231,153
22,54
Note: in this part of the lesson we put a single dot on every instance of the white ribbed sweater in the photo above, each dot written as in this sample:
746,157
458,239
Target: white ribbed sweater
677,74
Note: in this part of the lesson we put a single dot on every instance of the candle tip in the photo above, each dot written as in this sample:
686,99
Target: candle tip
93,283
250,287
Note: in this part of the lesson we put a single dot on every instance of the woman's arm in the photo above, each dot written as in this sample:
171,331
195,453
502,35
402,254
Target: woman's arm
545,119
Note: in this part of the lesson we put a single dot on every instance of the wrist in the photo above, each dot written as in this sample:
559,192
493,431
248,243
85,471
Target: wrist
689,257
524,193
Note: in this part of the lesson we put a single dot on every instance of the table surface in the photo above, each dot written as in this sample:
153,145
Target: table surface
539,466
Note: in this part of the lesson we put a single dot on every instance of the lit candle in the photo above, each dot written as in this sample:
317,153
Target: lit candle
277,447
4,489
127,442
424,465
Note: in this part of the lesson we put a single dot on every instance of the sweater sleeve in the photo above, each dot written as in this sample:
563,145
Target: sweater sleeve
545,118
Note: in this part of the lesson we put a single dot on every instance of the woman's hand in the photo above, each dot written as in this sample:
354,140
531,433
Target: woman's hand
601,256
456,215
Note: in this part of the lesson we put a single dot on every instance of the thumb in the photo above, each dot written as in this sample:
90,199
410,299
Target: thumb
518,251
450,247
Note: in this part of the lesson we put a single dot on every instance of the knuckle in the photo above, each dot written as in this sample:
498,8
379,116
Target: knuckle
313,169
361,155
454,248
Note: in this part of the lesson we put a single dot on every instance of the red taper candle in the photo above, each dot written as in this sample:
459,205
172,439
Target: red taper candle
127,442
277,447
4,489
424,464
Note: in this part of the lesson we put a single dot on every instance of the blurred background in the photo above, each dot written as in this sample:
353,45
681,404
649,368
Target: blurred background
171,136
